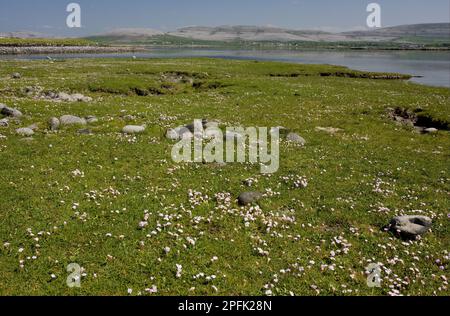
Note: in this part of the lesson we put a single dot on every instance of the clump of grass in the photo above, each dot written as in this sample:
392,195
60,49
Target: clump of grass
43,42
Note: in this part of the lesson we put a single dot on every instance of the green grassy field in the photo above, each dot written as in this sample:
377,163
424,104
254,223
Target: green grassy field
26,42
69,198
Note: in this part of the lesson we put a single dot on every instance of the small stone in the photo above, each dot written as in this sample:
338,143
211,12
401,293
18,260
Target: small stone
133,129
16,75
249,198
295,138
430,130
329,130
72,120
54,123
409,227
4,122
25,131
81,98
91,119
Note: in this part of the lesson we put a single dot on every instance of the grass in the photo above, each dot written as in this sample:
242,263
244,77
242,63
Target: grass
358,180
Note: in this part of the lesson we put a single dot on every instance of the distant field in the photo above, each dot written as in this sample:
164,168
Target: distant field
80,194
19,42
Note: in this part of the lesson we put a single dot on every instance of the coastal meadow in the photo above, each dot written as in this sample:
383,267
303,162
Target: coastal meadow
88,202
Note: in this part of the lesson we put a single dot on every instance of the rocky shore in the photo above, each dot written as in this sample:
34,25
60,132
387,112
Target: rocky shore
16,50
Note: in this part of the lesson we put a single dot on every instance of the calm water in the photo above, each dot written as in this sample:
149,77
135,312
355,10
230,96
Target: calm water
432,67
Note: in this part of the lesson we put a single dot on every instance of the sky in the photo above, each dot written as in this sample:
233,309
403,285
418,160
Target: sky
98,16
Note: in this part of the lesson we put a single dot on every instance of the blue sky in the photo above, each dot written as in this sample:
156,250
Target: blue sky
49,16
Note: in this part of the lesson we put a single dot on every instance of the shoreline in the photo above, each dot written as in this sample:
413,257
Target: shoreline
35,50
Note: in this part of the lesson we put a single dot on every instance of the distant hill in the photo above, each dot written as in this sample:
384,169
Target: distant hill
405,33
127,35
417,34
438,30
254,33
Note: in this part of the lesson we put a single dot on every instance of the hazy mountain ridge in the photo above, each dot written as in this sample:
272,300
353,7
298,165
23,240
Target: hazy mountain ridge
230,33
438,30
237,33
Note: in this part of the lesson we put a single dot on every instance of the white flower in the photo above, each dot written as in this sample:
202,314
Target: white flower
179,270
152,290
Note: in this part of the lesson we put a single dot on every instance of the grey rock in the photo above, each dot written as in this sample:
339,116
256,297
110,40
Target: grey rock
133,129
81,98
247,198
409,227
295,138
329,130
4,122
10,111
54,123
66,97
16,75
72,120
25,131
430,130
91,119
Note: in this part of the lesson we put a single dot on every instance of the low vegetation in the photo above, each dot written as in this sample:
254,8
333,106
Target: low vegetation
44,42
138,223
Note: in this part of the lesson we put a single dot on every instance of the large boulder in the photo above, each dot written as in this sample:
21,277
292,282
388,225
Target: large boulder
72,120
409,227
133,129
247,198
